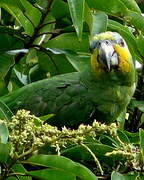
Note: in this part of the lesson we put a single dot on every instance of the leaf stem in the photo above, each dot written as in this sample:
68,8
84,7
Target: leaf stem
95,158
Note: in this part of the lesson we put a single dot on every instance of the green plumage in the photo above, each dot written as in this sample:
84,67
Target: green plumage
78,97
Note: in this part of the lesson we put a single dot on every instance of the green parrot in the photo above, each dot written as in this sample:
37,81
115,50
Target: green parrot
101,91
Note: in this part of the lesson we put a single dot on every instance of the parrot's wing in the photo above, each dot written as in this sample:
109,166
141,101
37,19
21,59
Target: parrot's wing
61,95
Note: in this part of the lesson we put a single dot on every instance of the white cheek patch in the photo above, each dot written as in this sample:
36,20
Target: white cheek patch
114,59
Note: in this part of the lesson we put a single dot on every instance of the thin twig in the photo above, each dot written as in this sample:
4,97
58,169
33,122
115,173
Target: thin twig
95,158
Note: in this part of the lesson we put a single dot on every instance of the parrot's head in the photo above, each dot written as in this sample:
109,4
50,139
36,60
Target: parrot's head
110,54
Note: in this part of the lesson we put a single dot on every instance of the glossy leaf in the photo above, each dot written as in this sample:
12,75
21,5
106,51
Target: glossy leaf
141,135
4,151
3,89
17,11
140,42
59,4
137,20
21,77
117,176
79,62
69,41
4,133
36,74
133,137
31,12
8,42
78,153
46,30
133,176
46,117
19,168
131,5
115,7
6,62
42,4
77,15
53,174
88,16
99,23
57,63
5,112
59,164
138,104
118,8
54,63
109,141
123,137
11,178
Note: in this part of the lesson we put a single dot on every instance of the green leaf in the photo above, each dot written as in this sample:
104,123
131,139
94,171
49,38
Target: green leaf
31,12
62,164
78,153
54,63
59,4
47,174
137,20
18,168
141,135
79,62
138,104
46,30
77,15
99,23
36,74
6,62
140,42
88,16
69,41
46,117
131,5
11,178
114,7
121,119
3,89
109,140
8,42
4,151
5,112
4,133
57,63
133,137
21,77
117,176
31,58
118,8
133,176
14,8
123,137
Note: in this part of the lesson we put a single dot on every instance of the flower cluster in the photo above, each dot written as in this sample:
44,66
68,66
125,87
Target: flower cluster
28,131
129,153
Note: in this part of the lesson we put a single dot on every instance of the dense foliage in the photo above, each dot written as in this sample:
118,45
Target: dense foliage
44,38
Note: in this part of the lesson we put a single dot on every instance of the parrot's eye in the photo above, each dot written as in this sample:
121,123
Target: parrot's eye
122,43
107,42
98,43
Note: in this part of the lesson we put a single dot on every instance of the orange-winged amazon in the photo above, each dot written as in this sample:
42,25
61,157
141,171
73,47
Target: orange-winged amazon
101,91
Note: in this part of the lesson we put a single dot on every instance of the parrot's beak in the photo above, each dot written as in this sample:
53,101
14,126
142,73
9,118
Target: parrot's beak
107,55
